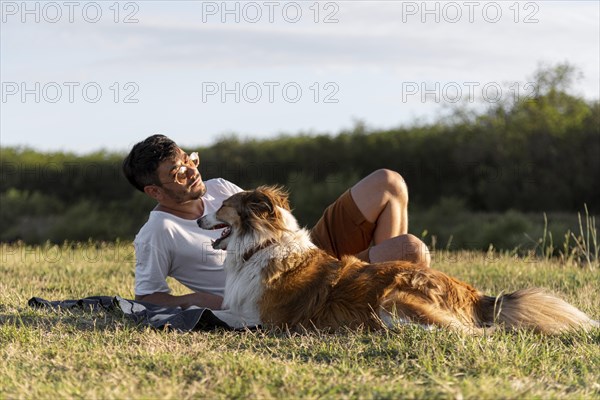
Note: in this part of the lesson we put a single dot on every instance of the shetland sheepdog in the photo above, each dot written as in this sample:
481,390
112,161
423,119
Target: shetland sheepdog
276,277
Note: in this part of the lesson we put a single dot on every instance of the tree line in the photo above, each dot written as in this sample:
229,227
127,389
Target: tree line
531,155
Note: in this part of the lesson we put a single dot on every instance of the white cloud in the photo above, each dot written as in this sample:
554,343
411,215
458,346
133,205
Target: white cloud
370,52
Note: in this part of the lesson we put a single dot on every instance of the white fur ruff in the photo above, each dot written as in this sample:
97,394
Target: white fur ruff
243,282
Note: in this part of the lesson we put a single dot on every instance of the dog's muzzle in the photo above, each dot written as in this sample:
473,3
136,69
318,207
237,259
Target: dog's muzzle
208,222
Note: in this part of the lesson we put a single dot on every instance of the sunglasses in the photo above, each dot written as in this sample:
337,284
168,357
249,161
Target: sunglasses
180,176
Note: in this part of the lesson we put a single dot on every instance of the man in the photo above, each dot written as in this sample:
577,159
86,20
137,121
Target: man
370,220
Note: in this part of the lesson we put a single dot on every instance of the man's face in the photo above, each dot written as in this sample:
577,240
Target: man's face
181,184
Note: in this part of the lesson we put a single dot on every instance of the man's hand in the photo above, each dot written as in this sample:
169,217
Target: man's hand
193,299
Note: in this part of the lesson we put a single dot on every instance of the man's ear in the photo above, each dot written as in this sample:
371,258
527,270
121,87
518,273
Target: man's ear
153,191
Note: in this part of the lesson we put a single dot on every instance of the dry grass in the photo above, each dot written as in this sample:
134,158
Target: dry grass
74,354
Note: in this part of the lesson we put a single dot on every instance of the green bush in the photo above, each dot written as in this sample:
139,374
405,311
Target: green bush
465,173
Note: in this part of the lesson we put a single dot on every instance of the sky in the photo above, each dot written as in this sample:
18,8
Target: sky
81,76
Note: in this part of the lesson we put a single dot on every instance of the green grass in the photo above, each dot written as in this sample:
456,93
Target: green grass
80,354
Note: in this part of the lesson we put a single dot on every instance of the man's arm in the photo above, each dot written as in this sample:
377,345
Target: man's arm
207,300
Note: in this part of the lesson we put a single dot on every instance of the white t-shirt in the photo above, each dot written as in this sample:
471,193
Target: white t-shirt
171,246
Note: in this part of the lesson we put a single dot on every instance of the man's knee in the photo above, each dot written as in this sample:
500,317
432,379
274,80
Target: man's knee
404,247
392,182
416,251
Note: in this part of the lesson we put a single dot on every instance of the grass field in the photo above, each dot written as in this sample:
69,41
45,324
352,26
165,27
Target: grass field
102,355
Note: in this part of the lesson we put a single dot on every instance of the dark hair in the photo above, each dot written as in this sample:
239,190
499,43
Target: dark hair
141,163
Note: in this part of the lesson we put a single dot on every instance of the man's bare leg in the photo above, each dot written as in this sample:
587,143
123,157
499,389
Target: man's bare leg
382,198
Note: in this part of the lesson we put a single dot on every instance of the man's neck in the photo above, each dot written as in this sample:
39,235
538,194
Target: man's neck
192,209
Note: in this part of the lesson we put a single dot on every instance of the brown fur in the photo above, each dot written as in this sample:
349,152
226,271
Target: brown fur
315,290
256,210
311,289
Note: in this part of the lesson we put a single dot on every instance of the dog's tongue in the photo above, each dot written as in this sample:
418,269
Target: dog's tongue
215,243
226,232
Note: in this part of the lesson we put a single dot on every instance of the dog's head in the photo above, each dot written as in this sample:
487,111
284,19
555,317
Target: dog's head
256,211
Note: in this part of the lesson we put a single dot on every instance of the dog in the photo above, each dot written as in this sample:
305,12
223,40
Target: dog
276,277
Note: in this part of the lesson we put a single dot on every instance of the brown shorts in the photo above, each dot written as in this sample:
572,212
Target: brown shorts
342,229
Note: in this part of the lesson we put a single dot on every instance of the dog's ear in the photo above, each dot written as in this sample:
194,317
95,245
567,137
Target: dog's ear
259,204
277,196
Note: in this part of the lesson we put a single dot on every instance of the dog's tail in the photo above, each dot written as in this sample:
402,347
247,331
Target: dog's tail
532,309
